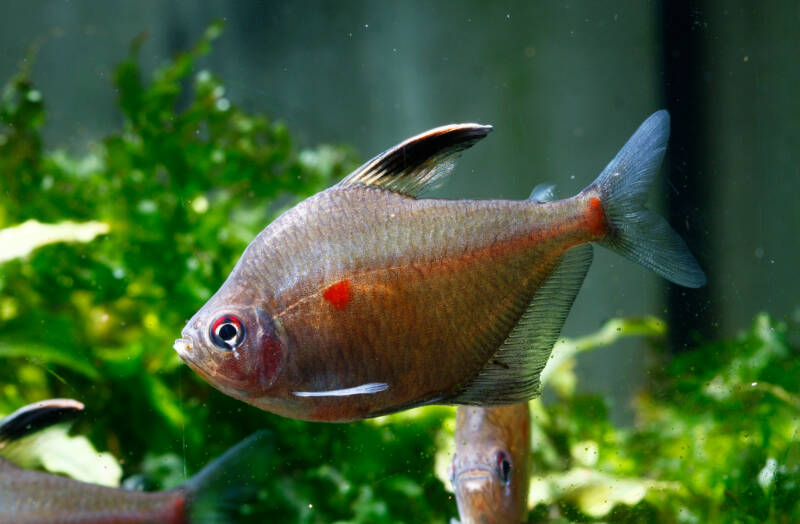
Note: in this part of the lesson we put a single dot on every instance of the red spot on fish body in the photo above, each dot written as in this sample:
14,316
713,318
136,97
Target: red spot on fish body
339,294
176,511
596,218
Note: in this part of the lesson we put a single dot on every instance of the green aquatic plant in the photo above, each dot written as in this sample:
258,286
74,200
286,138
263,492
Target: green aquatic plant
128,238
105,254
716,439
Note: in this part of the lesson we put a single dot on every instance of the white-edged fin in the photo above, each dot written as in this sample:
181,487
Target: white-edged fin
512,375
543,193
363,389
37,416
420,162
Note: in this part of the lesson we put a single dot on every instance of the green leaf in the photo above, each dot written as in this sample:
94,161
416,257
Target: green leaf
44,356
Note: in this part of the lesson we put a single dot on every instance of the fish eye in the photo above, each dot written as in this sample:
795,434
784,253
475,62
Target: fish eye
227,332
503,467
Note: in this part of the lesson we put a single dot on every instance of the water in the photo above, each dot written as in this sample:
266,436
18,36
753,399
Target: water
564,86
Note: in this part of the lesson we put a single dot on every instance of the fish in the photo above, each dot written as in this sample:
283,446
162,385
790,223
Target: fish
35,497
490,471
367,299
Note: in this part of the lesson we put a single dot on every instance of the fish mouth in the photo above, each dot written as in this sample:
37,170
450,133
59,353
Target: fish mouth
478,473
183,346
475,481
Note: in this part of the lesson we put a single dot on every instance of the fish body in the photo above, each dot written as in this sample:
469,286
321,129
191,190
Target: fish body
34,497
364,299
491,467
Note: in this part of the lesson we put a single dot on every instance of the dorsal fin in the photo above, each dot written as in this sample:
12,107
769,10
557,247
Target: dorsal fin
37,416
512,374
421,161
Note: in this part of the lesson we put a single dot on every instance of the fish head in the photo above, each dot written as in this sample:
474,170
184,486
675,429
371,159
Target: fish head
484,490
490,467
237,348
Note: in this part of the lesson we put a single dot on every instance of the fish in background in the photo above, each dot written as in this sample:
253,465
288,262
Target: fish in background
364,299
490,471
33,497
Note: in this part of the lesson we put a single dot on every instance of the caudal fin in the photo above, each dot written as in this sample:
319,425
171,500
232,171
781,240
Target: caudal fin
217,492
634,231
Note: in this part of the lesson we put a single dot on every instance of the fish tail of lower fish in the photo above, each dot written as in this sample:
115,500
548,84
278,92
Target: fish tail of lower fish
617,208
216,493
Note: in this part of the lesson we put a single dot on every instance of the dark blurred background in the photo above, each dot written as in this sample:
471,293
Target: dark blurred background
564,84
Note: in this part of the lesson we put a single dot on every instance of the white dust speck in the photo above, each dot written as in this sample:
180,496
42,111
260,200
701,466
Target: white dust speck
223,104
767,474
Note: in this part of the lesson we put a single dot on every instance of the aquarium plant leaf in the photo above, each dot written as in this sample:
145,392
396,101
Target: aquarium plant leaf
20,240
54,450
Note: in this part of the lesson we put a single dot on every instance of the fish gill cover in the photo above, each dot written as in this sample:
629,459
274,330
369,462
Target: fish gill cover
180,190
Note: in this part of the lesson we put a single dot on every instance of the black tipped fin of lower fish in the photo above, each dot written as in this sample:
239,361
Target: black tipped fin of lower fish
34,417
512,375
634,231
420,162
217,492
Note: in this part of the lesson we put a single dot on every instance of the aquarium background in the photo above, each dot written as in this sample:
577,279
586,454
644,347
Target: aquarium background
185,157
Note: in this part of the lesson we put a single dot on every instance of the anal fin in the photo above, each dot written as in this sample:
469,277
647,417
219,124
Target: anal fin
512,374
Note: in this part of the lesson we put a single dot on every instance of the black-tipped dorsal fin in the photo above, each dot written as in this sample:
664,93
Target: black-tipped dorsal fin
512,375
37,416
415,165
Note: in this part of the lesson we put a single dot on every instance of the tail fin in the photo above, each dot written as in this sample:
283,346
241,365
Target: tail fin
216,492
635,232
